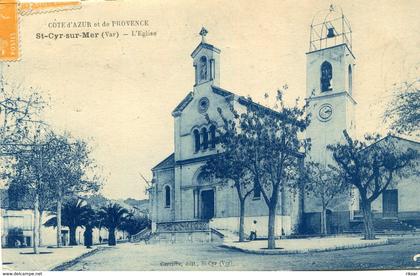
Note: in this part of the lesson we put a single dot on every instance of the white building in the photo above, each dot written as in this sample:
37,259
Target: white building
18,216
184,206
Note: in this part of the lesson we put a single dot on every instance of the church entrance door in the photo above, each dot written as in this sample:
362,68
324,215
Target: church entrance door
390,203
207,204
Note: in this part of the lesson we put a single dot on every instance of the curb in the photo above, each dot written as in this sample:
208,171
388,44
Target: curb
71,262
302,251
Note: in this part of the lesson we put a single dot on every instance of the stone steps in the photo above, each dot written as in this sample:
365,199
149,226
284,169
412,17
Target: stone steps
142,235
383,225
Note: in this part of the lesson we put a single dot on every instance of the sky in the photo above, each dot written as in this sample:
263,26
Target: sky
119,93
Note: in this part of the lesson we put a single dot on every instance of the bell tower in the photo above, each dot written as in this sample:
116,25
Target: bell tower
329,82
206,60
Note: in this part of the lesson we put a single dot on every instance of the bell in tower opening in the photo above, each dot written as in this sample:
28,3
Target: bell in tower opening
330,71
330,32
330,60
330,28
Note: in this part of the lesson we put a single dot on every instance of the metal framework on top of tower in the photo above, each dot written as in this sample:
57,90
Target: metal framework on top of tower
330,28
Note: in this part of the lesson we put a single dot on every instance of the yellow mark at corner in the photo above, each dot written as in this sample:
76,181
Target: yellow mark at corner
34,7
9,41
9,20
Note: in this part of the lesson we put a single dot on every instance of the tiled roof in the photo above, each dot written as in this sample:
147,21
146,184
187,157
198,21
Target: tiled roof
391,137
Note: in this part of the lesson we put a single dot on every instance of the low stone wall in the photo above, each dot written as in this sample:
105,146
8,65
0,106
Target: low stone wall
300,246
189,231
182,226
232,224
205,236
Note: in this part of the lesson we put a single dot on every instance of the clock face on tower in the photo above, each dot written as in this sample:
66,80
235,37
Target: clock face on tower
325,112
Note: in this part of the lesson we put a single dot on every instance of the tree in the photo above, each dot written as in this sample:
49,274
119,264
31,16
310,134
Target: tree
324,183
20,110
28,177
50,169
69,170
90,220
229,165
75,213
273,138
134,223
112,216
404,110
370,166
97,201
272,147
21,196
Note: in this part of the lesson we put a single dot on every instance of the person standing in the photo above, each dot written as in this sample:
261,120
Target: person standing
253,235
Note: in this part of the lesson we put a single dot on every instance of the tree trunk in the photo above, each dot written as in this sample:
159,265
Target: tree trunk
241,220
100,237
368,221
272,226
36,227
111,237
324,221
59,220
40,227
87,235
73,235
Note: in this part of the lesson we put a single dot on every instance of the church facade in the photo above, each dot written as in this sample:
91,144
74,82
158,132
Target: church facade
183,201
181,192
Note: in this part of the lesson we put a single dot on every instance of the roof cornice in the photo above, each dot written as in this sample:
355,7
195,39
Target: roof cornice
205,46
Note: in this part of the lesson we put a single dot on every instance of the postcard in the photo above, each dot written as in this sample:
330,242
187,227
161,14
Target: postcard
209,136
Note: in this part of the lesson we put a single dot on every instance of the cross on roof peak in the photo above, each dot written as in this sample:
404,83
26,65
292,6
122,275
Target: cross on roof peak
203,33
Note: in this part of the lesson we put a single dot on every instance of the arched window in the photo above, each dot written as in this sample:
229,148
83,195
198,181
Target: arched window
205,138
212,136
203,68
167,197
326,76
350,80
196,140
204,178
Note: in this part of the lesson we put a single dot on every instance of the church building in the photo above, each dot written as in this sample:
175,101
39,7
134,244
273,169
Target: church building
185,206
